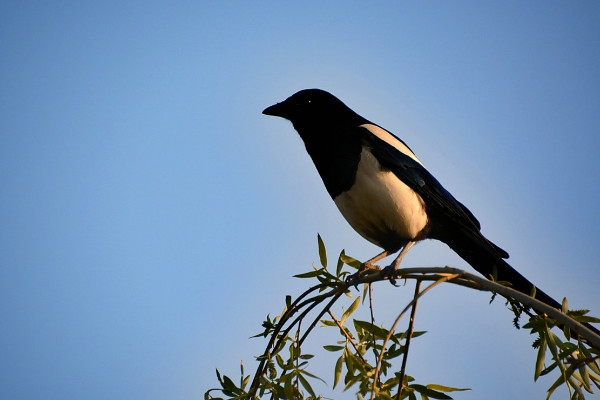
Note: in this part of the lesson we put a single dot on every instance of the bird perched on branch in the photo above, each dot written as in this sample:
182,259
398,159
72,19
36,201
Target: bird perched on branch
384,192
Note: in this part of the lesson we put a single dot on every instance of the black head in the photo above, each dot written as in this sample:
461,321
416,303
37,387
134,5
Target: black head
312,108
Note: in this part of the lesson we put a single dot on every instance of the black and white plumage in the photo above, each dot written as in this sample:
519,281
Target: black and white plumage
383,190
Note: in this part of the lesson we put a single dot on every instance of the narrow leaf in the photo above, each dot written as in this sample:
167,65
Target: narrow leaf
424,391
378,332
353,262
322,252
340,264
306,385
350,310
541,358
305,372
533,291
585,378
327,322
585,318
552,339
338,371
443,388
309,274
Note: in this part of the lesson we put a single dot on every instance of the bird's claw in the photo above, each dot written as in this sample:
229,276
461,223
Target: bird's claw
366,267
389,272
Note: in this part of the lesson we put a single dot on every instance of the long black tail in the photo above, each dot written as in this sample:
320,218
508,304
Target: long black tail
483,256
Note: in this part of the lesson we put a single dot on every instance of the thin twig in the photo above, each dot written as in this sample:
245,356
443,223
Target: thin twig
375,353
297,356
327,307
348,337
444,278
408,339
293,308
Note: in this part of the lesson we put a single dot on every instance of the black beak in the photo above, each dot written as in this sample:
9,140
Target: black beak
276,110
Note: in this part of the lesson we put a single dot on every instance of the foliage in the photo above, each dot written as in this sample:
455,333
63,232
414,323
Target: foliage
368,354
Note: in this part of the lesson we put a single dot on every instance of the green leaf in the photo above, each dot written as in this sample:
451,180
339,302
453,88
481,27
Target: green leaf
306,385
228,385
333,348
558,382
393,351
337,371
378,332
294,351
322,252
288,388
577,388
541,358
245,381
350,310
593,365
549,369
310,274
327,322
443,388
305,372
567,332
349,360
242,374
272,370
585,318
533,291
415,334
280,361
353,262
340,264
552,345
585,377
423,390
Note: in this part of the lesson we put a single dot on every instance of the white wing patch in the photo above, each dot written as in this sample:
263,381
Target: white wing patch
391,140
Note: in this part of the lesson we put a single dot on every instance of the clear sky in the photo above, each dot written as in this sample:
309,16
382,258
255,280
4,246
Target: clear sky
150,216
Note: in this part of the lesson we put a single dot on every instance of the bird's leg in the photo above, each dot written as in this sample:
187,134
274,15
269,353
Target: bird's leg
405,249
390,270
367,266
370,264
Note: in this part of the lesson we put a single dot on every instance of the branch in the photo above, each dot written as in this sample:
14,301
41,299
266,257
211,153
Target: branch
413,303
467,279
345,333
408,339
304,305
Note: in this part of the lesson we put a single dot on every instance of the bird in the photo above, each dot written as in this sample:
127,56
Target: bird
385,192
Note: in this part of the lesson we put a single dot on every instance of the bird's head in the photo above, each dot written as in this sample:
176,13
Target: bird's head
311,109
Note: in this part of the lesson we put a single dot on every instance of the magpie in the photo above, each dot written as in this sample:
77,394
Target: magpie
383,190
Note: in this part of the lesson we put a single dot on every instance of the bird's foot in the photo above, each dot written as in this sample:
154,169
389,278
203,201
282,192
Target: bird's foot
389,272
365,268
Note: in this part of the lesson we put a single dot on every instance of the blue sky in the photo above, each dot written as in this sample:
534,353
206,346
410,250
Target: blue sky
152,217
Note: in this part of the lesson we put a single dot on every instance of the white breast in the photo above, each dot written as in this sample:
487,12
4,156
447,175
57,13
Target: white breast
379,206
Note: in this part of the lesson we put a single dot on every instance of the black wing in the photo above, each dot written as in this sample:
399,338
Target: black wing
440,205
